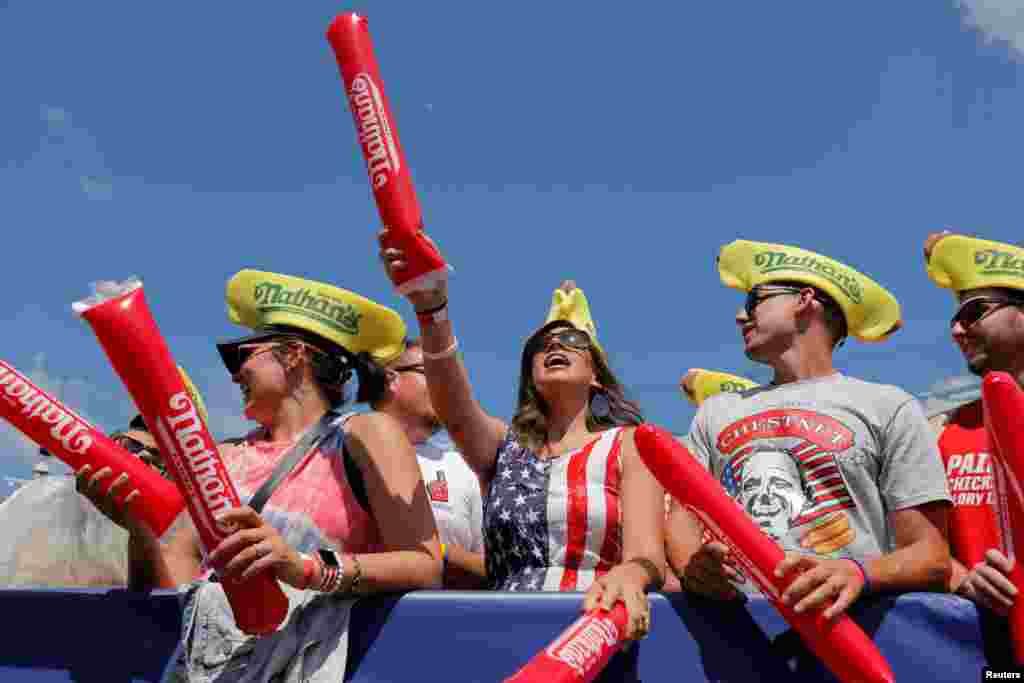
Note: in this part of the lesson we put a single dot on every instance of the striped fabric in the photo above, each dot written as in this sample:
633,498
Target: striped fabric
554,524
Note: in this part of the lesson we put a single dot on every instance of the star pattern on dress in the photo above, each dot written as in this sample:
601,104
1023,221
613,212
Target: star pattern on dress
515,527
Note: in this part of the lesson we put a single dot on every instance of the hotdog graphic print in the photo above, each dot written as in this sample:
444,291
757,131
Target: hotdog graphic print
820,464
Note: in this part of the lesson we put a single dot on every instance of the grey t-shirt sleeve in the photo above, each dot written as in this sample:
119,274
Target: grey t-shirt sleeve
697,441
911,470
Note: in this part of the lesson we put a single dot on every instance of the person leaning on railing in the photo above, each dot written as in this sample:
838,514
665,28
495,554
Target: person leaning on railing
565,467
988,328
349,516
843,473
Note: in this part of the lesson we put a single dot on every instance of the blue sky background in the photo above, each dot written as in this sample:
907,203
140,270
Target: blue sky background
184,142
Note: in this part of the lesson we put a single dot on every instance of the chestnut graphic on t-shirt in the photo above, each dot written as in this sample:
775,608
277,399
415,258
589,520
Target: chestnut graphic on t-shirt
782,470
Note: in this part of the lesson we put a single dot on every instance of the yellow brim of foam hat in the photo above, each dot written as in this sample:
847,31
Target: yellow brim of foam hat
960,263
193,393
259,300
569,303
871,312
700,384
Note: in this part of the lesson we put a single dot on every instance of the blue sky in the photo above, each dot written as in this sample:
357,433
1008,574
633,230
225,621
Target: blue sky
184,142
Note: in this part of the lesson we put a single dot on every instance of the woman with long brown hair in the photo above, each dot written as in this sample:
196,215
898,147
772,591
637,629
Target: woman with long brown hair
569,505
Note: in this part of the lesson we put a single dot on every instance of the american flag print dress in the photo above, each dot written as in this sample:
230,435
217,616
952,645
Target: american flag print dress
554,524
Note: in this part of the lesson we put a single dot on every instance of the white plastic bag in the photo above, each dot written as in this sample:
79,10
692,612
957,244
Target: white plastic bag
50,535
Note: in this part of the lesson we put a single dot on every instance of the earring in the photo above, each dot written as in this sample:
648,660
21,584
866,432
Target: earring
599,405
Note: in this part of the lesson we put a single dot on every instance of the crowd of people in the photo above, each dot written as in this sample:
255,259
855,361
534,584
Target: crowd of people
425,489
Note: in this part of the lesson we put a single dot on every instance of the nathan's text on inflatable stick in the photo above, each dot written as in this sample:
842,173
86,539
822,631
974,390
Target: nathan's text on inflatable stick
839,643
580,653
386,165
121,319
66,435
1003,403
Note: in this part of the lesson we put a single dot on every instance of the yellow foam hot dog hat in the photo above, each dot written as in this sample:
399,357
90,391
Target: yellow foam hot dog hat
569,304
959,262
700,384
272,304
871,312
193,393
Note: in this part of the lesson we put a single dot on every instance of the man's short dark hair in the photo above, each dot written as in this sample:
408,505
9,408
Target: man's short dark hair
373,383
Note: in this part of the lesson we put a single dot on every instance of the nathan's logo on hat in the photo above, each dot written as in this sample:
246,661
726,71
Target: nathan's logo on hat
871,312
996,262
274,296
774,261
961,263
263,301
699,384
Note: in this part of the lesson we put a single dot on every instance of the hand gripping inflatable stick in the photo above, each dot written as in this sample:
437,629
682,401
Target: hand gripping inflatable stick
122,321
839,643
59,430
1003,403
580,653
389,172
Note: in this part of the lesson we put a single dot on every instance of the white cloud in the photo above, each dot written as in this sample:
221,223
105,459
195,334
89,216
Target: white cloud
69,150
997,20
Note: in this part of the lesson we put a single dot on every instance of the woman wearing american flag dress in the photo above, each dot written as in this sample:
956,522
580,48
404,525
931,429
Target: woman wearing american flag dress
568,505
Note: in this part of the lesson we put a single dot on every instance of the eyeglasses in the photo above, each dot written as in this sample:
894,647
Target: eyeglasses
245,352
758,294
569,338
974,310
416,367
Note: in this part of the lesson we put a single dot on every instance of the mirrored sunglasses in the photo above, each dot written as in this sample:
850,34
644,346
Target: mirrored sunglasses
570,339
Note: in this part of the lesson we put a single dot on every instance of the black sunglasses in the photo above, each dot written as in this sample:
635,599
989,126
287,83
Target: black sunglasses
243,353
756,295
569,338
416,367
974,310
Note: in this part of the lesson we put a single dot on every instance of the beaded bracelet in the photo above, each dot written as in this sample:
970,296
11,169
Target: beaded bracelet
433,315
864,574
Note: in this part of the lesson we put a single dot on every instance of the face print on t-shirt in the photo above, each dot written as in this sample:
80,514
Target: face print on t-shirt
771,491
781,468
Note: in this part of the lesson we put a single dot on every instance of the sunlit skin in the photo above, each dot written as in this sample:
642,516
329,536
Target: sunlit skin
785,328
993,342
564,378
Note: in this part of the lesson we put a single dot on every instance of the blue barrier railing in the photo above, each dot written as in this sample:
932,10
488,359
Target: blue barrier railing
98,636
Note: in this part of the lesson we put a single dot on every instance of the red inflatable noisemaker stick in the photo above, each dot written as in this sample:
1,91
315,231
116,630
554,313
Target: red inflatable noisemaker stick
66,435
121,319
839,643
389,172
1003,402
580,653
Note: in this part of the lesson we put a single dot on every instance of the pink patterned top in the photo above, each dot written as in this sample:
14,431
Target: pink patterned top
315,505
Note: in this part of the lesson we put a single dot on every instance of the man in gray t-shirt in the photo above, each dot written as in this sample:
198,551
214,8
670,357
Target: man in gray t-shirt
844,474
